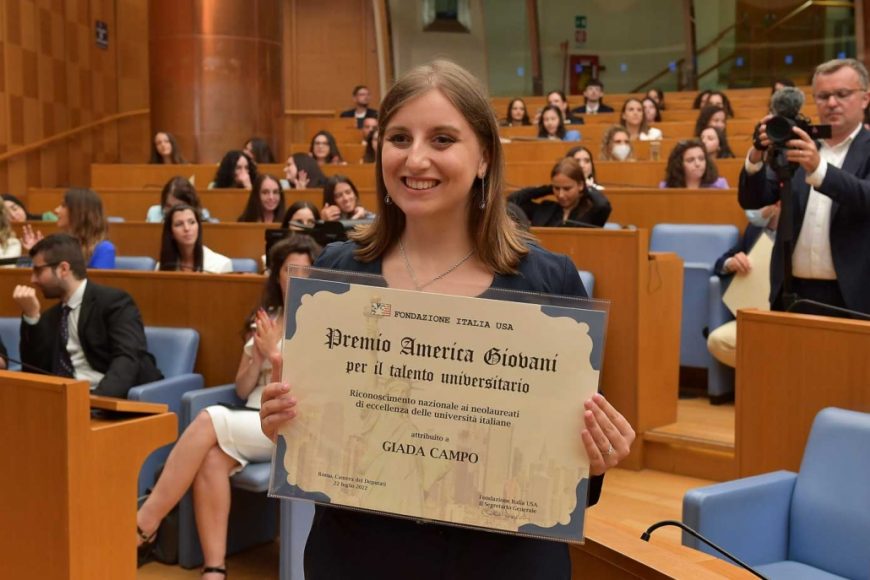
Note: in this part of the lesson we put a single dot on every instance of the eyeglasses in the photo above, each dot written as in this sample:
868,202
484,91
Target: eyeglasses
841,95
38,269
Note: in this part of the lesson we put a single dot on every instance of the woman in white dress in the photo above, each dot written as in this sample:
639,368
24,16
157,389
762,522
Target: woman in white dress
221,441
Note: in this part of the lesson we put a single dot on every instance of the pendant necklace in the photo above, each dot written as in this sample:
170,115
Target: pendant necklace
413,276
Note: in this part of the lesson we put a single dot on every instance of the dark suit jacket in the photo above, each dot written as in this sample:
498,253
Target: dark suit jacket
350,113
849,187
602,108
549,213
3,353
750,236
433,551
112,336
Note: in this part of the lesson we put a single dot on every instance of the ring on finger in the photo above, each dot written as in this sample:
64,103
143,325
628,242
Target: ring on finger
609,451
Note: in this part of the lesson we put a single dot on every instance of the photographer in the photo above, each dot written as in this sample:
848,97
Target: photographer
830,192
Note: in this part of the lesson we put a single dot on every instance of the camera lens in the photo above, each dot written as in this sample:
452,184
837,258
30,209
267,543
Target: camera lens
779,129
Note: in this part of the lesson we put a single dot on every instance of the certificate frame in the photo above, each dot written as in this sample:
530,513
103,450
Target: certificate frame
314,459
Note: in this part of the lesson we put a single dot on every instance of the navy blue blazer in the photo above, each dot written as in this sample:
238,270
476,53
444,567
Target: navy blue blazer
350,544
849,188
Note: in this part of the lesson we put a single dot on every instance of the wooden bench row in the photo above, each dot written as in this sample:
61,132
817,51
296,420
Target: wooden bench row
631,206
519,174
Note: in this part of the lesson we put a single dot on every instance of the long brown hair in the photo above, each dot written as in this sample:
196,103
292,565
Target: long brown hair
570,168
498,242
86,220
675,173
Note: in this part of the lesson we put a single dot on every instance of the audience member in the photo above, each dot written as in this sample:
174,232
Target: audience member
616,144
369,125
236,170
716,143
341,201
583,156
830,260
658,96
560,101
651,111
258,150
576,204
722,341
701,99
18,211
301,215
221,441
324,149
551,126
164,149
720,99
302,172
517,114
691,167
94,334
593,96
633,119
177,190
360,108
266,201
710,116
4,356
181,248
370,154
80,214
10,246
780,83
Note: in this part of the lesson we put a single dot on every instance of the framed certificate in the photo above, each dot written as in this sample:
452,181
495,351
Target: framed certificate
451,409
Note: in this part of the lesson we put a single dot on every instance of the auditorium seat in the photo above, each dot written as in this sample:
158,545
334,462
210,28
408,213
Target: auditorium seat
247,265
253,515
10,332
807,525
145,263
699,245
720,378
175,351
588,279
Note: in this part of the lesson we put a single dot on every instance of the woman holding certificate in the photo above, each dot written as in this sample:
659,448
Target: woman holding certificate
442,227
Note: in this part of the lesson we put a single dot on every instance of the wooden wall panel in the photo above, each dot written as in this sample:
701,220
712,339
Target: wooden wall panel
53,78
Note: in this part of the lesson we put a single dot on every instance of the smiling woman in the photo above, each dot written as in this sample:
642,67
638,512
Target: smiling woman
442,225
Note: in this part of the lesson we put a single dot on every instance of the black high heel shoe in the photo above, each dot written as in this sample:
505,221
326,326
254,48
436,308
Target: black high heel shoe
145,550
214,570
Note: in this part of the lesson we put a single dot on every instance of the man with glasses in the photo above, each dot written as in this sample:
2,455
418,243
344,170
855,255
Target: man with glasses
830,192
94,334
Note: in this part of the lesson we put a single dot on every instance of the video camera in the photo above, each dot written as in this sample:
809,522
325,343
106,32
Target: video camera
786,104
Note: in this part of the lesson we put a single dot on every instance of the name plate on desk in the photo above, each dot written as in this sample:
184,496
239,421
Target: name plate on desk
459,410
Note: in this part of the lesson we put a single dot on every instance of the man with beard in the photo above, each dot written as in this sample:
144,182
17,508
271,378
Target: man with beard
94,334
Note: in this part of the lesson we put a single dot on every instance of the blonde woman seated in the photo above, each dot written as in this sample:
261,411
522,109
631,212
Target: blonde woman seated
10,247
182,249
690,166
222,441
616,144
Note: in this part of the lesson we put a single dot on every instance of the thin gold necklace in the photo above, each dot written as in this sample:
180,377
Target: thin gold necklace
413,276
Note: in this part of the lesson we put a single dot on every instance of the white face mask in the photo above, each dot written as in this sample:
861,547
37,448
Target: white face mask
755,218
621,151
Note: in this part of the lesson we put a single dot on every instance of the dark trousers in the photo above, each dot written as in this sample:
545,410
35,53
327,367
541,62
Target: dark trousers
824,291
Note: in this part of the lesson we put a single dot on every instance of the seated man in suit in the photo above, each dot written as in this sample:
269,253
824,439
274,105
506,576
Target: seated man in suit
594,95
361,108
94,334
830,257
722,341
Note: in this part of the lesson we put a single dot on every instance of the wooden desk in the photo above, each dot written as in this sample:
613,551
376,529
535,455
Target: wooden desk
69,488
214,305
645,208
614,552
790,367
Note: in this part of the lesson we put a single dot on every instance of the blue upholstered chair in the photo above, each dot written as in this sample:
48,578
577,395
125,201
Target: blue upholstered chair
253,516
814,524
10,332
612,226
699,246
247,265
175,350
720,378
296,519
588,279
145,263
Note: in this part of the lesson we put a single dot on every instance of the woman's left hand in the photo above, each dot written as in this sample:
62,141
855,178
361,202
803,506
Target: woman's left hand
607,436
359,212
267,335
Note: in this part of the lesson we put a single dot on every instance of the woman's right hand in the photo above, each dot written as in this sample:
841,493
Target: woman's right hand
29,238
302,179
278,405
330,213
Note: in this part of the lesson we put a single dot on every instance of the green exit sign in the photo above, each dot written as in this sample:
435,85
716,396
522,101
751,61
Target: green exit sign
580,22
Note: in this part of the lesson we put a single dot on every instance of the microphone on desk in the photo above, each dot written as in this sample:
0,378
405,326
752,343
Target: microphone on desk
646,535
796,308
29,367
576,224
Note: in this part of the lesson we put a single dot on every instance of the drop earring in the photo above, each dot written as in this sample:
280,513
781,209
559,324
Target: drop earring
482,192
388,200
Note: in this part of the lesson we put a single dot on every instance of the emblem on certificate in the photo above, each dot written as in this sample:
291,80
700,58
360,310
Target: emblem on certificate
451,409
